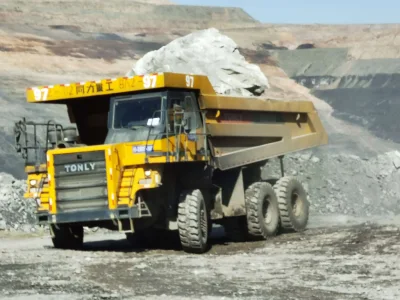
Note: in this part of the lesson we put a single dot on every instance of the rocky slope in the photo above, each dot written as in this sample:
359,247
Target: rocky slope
353,69
362,91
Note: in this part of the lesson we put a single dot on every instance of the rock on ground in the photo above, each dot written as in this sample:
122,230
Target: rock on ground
16,213
347,184
206,52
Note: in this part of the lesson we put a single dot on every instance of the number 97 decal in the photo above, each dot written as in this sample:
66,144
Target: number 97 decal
149,81
40,94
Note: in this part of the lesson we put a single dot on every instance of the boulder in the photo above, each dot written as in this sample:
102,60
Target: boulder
206,52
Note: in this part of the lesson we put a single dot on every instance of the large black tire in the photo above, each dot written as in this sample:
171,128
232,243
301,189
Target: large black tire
67,236
262,210
293,204
193,221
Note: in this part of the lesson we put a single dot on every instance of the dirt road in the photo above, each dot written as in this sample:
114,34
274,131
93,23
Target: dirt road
352,261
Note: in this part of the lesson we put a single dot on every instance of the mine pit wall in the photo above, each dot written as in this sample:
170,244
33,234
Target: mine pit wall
363,92
151,18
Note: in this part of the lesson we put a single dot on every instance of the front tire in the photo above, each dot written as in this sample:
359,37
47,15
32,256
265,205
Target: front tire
193,221
262,210
67,236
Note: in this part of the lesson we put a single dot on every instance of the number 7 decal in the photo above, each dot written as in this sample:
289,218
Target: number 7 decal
189,81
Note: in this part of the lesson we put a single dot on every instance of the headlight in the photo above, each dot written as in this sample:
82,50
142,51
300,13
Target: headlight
32,182
147,173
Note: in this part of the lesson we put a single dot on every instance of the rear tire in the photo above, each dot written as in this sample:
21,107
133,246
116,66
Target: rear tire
293,204
262,210
67,236
193,221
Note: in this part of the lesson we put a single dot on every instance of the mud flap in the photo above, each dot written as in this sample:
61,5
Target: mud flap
231,193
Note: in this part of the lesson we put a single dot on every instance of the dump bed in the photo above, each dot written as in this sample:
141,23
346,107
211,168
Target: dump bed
246,130
241,130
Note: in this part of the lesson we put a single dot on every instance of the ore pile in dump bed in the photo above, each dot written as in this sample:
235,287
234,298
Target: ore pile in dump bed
206,52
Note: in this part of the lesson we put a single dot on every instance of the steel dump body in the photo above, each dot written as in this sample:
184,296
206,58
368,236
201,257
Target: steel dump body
153,149
247,130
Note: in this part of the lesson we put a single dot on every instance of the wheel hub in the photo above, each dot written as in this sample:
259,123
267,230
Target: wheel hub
297,204
266,211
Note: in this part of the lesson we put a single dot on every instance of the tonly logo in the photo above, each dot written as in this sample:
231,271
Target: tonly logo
79,167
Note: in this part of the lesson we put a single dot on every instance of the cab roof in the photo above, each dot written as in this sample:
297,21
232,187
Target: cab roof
61,93
67,93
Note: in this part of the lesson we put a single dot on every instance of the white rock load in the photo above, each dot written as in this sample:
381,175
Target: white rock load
206,52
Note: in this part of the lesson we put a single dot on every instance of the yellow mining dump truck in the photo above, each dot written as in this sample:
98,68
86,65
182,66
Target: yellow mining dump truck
163,152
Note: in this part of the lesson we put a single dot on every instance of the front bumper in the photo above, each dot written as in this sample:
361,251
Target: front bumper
88,216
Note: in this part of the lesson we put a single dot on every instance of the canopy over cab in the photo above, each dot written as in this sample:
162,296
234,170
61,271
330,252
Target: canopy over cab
240,130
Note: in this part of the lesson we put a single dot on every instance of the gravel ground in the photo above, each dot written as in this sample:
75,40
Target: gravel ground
349,184
351,260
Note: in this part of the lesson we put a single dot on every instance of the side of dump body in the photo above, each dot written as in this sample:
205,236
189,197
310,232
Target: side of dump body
248,130
163,152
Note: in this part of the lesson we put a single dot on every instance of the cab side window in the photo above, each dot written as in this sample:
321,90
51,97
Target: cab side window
187,100
191,112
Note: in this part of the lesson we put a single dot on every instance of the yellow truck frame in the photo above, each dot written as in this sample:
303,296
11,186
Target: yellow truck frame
163,152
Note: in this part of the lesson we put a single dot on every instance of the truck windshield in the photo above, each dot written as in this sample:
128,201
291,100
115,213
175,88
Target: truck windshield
131,113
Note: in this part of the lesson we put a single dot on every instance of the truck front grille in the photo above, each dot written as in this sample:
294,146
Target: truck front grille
81,181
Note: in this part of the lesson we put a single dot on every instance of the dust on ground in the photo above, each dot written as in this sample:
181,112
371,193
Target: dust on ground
344,259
